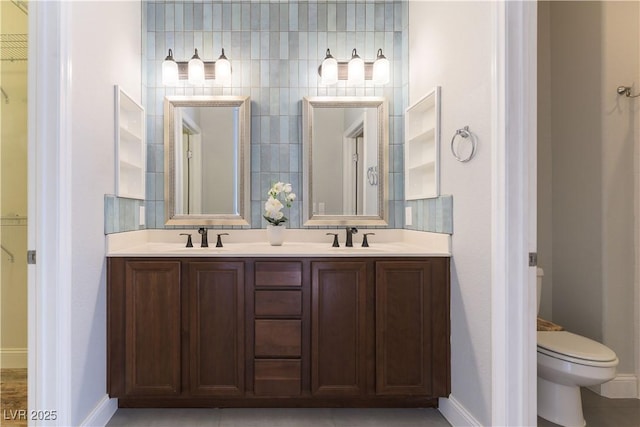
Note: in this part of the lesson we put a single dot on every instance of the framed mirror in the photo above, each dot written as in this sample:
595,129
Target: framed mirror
207,160
345,152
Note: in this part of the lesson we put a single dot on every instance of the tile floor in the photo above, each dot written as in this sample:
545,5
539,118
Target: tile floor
603,412
339,417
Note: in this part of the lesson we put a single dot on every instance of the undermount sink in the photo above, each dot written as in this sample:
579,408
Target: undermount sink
210,249
359,249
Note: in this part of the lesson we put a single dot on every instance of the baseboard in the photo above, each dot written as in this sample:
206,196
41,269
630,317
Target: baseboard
455,413
621,387
13,358
102,413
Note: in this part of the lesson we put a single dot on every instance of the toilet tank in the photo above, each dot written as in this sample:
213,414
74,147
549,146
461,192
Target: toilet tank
540,275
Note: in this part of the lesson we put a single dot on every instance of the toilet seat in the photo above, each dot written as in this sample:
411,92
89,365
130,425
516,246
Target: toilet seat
574,348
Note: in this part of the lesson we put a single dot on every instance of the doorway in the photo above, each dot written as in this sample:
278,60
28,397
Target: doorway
13,210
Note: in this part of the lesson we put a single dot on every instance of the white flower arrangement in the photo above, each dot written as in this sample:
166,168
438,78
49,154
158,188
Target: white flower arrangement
279,193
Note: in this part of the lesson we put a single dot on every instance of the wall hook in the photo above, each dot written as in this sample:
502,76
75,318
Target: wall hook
626,91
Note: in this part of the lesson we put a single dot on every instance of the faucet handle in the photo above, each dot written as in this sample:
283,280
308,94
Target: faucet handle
365,242
219,240
189,243
335,240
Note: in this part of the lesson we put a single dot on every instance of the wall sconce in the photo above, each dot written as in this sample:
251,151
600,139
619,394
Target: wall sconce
355,71
196,70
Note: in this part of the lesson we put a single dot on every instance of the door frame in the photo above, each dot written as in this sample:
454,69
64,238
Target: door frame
514,199
49,210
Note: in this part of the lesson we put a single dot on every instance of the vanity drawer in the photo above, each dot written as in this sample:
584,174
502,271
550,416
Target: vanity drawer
278,303
278,274
277,377
278,338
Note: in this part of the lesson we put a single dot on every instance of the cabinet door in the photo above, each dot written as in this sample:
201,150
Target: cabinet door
403,327
152,328
216,328
338,328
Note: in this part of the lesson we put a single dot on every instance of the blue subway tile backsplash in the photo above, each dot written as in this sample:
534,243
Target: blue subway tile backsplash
275,49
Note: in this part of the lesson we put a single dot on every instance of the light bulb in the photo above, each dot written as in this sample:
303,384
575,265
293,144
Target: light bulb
356,69
196,70
169,70
381,69
223,68
329,70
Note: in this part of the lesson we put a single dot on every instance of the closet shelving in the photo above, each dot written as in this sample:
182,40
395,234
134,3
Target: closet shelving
422,147
130,147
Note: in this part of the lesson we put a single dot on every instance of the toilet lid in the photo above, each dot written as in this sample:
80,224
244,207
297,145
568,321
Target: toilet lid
574,346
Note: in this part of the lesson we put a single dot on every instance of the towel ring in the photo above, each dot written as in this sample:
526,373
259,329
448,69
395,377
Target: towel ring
626,91
465,134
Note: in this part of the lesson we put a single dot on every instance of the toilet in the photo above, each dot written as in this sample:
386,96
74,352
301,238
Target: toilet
566,362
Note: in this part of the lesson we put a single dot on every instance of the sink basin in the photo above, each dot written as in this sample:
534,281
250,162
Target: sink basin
356,250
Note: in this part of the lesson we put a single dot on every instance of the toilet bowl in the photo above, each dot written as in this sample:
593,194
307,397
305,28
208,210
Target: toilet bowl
566,362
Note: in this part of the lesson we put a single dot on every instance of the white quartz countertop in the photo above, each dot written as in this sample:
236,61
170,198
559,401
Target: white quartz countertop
298,243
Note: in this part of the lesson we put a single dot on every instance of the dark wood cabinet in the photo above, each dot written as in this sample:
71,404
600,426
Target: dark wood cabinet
338,325
175,328
216,328
276,332
410,329
144,314
279,327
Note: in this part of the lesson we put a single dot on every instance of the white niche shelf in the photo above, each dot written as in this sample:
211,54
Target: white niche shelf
422,147
130,146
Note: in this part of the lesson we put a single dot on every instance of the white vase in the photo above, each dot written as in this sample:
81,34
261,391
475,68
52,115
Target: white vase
275,234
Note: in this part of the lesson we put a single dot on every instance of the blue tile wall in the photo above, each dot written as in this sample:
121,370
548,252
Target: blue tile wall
121,214
275,48
435,215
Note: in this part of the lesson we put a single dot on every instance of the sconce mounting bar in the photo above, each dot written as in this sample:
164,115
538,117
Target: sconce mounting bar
209,70
343,70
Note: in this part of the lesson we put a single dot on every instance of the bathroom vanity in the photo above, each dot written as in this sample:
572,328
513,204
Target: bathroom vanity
302,325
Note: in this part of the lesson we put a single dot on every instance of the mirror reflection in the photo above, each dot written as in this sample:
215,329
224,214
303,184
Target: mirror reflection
206,152
345,145
207,160
350,151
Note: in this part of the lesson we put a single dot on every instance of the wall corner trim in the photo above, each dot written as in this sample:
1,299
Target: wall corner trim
101,413
456,413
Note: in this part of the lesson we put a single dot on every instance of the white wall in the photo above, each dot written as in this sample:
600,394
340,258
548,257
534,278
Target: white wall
450,44
586,170
105,51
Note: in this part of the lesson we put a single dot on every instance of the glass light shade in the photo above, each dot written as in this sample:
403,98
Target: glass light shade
381,69
329,70
169,70
223,68
196,70
356,69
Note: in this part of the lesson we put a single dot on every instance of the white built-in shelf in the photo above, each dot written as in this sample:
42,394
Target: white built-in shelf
422,147
130,146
